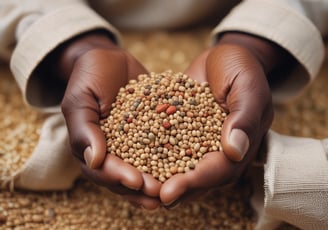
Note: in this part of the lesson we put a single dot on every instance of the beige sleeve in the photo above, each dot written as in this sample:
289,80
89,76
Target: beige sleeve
51,165
296,181
31,29
287,24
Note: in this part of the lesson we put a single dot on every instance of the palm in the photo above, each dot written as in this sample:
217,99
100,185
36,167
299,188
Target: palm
236,85
94,83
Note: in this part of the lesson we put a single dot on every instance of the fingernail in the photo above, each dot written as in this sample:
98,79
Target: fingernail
131,187
88,157
173,205
240,142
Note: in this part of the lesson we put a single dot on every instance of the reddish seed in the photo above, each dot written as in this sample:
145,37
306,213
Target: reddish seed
188,152
171,110
129,120
146,92
168,146
131,90
166,124
162,107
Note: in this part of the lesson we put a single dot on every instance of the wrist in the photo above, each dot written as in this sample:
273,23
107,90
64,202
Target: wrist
269,54
61,61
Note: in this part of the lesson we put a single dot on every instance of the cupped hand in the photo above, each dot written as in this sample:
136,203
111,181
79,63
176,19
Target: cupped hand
95,69
236,69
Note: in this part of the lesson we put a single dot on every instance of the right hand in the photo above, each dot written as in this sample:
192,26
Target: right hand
95,68
237,70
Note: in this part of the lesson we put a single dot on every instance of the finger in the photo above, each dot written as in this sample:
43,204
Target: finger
240,87
119,171
196,70
87,139
250,114
94,177
189,196
151,186
146,202
116,173
213,170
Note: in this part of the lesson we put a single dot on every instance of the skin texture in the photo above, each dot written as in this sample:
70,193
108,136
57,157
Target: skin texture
237,68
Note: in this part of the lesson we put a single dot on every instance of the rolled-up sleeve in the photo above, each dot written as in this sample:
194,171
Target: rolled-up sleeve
287,24
31,29
296,181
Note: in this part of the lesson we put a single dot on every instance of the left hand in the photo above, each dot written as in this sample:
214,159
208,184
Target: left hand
95,68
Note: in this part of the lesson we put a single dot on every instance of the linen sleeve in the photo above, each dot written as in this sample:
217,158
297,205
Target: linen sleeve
31,29
296,181
289,25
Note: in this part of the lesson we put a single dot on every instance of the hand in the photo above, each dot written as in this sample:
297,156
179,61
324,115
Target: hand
236,69
95,69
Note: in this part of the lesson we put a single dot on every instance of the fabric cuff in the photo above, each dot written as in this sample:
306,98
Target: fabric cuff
43,36
286,27
295,181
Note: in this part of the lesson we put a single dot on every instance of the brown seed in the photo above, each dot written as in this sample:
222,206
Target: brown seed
171,110
191,165
168,146
161,108
188,152
130,90
3,218
129,120
166,124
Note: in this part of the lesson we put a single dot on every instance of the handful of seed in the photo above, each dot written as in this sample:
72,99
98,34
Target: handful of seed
163,124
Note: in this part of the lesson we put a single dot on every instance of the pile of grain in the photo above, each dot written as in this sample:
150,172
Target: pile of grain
163,124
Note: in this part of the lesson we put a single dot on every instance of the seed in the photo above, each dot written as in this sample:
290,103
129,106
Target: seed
191,165
161,108
129,120
131,90
188,152
24,202
151,136
172,141
203,149
171,110
37,218
174,170
166,124
197,146
146,92
126,127
168,146
125,148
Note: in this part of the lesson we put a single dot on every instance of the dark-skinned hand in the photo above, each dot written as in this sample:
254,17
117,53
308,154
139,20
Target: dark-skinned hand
94,69
237,70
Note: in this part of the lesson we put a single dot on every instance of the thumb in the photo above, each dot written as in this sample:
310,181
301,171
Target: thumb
94,154
235,140
250,115
86,137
